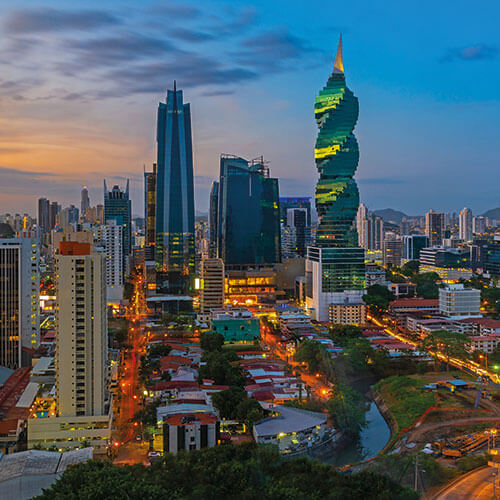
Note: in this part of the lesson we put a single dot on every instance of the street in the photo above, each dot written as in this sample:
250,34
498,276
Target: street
126,448
474,486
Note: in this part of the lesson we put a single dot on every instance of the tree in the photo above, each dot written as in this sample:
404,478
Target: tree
346,409
410,268
359,352
227,401
211,341
159,350
427,286
450,344
342,333
218,367
378,298
313,353
247,471
490,298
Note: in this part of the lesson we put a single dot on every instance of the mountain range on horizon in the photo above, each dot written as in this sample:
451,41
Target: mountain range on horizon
395,216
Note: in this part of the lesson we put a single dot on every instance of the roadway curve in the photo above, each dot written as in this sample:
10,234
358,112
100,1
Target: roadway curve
471,486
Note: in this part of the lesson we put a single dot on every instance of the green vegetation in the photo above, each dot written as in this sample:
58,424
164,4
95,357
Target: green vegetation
147,415
211,341
410,268
490,298
247,471
340,334
159,350
234,404
378,298
316,356
402,470
427,286
346,409
450,344
405,399
472,462
219,367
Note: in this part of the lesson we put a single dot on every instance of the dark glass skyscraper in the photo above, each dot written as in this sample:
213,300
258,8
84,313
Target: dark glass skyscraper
248,226
212,218
117,206
294,202
175,250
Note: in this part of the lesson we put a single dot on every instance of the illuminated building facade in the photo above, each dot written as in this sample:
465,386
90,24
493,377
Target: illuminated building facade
175,236
248,225
117,207
335,263
434,227
19,299
150,211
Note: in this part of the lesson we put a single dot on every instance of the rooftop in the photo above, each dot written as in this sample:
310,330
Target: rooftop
415,303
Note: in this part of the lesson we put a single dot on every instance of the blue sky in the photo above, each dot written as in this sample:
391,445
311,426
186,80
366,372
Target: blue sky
80,83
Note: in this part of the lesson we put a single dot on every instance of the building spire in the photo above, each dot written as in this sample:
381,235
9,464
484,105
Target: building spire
338,65
175,86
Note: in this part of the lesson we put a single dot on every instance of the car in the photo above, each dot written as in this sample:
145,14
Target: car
138,437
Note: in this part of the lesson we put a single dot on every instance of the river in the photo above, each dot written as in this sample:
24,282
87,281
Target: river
372,439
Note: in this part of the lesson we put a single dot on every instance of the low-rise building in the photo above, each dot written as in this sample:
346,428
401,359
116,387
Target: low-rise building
236,325
484,343
456,301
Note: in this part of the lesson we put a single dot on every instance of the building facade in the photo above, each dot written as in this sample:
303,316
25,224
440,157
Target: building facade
117,207
19,300
248,228
456,301
111,235
434,227
465,224
211,286
150,208
412,245
335,264
175,237
81,332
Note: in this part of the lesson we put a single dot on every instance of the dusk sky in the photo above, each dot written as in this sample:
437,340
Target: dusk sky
80,83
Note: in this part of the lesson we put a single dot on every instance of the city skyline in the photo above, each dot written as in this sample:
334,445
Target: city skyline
415,88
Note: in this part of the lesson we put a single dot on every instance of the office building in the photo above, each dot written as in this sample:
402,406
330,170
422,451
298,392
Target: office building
117,207
392,252
81,332
465,224
250,286
68,216
150,207
19,298
175,245
54,210
434,227
335,264
211,286
112,238
213,211
248,228
295,235
412,245
43,214
85,202
294,202
451,264
458,302
404,227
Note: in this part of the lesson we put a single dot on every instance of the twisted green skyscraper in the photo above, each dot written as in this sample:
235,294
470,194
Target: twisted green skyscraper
336,155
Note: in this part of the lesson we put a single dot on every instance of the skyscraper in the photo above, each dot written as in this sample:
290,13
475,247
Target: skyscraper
412,244
213,211
117,207
111,236
43,214
150,206
175,249
248,226
465,224
81,331
370,229
434,227
295,234
54,210
294,202
19,297
85,202
335,269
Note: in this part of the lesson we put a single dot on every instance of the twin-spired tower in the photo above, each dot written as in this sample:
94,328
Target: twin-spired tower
335,267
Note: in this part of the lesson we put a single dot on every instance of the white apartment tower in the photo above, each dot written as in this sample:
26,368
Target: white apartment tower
465,224
81,331
111,235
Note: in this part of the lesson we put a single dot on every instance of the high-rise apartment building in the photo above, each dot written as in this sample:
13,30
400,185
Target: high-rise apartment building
370,229
81,331
85,202
211,286
479,225
117,207
434,227
68,216
213,211
175,245
335,269
465,224
111,237
248,226
19,298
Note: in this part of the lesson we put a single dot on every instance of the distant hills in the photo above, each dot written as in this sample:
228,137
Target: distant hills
494,213
390,215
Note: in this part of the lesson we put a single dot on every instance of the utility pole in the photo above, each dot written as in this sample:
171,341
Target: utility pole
416,473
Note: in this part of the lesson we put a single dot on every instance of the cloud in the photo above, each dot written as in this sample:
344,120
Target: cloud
109,51
216,93
477,52
381,180
271,50
177,11
233,23
192,36
44,20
